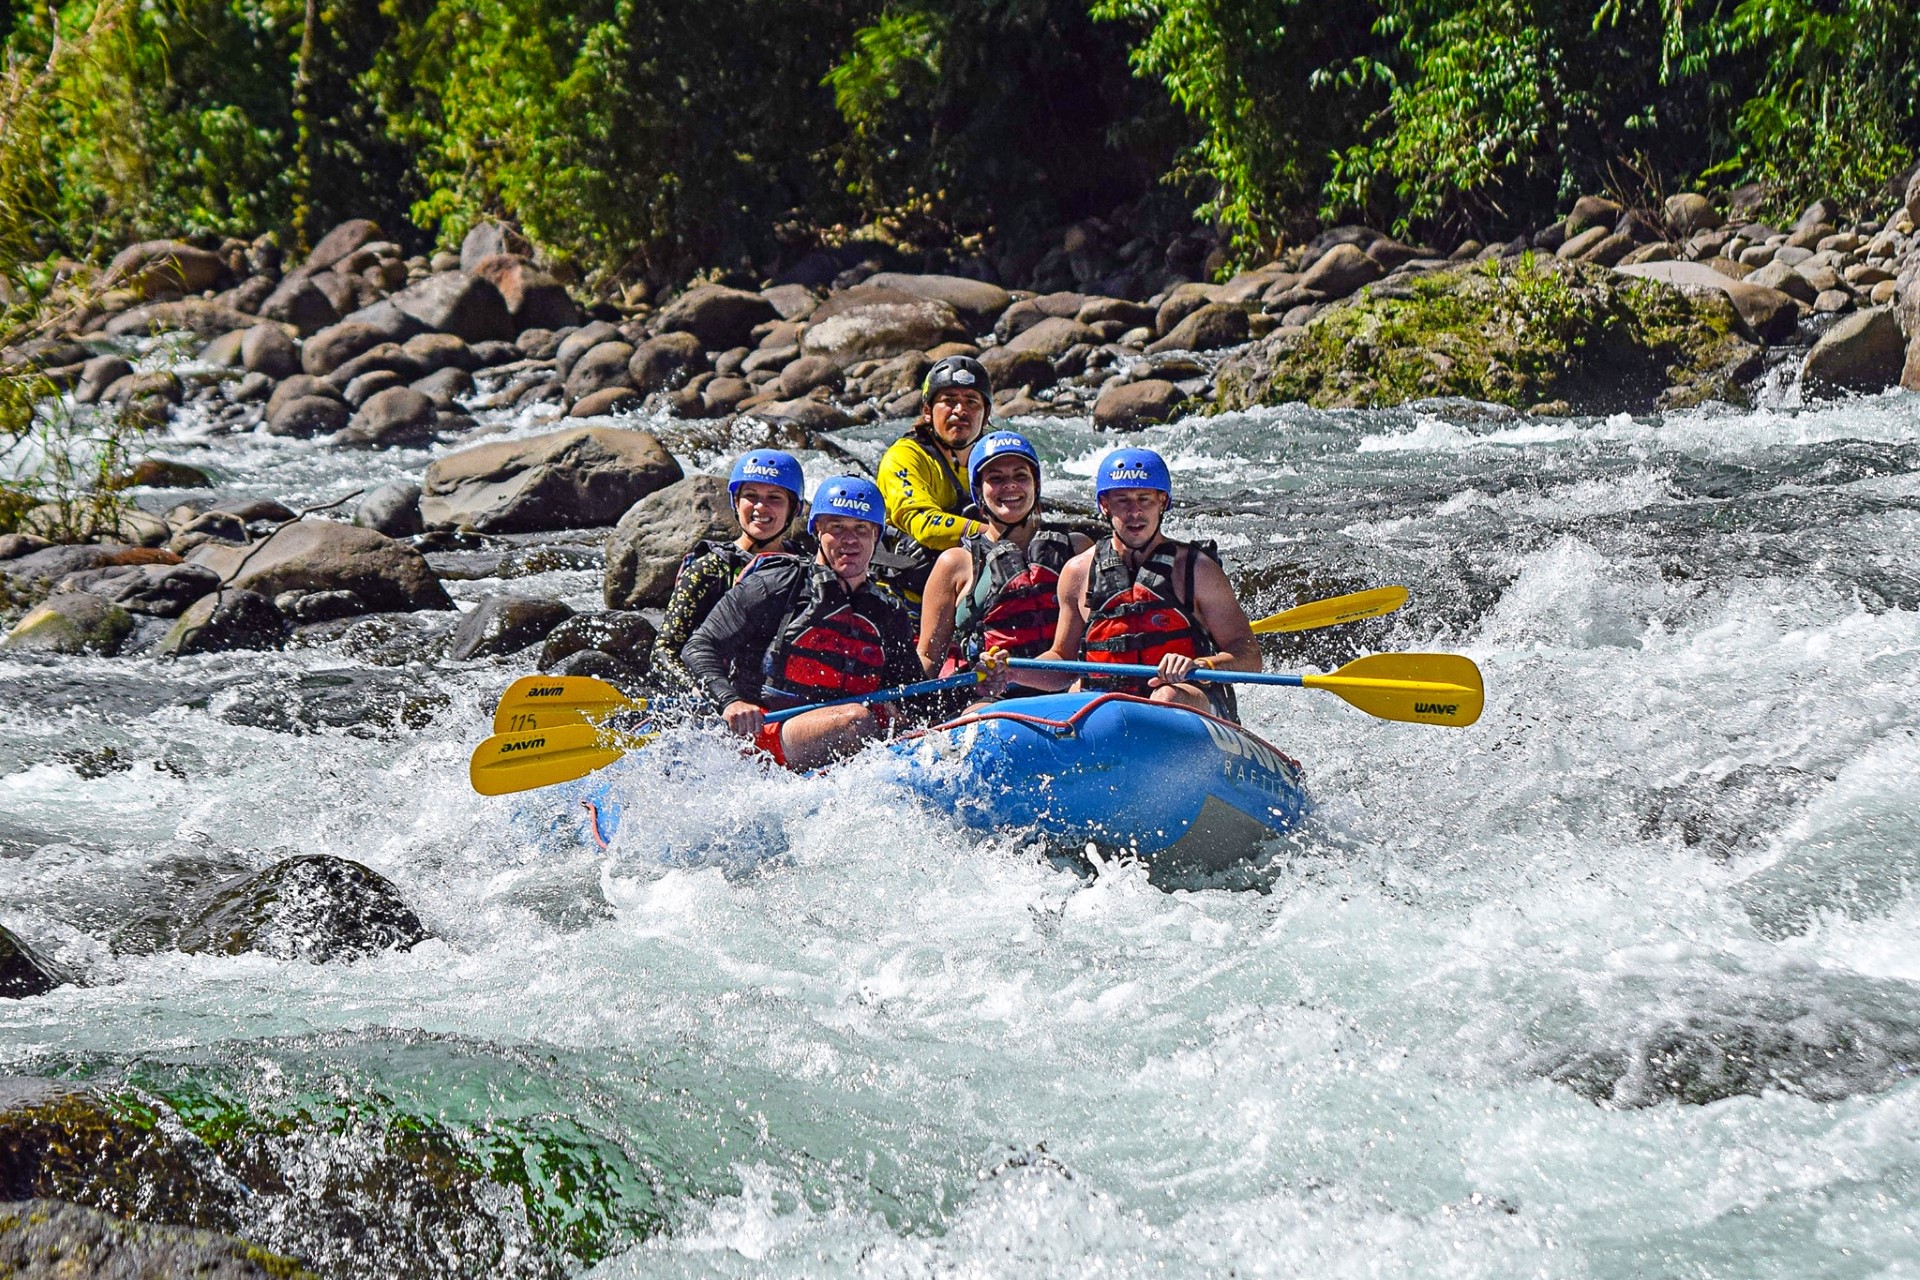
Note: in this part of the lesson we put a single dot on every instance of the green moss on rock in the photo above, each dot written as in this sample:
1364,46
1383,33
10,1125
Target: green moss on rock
1525,333
49,1238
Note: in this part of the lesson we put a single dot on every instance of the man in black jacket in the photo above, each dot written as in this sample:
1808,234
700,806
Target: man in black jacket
796,631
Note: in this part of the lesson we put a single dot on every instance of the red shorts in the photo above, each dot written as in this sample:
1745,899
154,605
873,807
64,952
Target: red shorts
768,739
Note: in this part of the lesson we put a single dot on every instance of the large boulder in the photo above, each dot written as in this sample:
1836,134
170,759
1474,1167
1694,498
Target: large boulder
490,239
1613,343
1341,270
720,317
977,303
619,634
266,348
158,590
353,234
325,555
570,479
645,549
226,620
392,418
1130,406
1863,352
1771,314
467,306
200,316
666,361
297,301
1213,326
305,416
535,299
335,345
70,622
392,509
1688,214
603,367
881,329
504,624
164,266
1052,338
316,908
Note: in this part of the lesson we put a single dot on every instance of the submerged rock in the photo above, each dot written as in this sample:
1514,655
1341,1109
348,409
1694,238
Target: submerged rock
1518,332
223,621
54,1239
22,973
316,908
505,624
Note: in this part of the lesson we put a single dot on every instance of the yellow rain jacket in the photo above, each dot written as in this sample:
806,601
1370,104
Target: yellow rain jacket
924,499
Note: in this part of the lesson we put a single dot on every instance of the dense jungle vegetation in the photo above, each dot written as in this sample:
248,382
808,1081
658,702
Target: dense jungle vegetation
649,139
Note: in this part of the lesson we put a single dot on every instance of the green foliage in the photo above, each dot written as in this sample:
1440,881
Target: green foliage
56,463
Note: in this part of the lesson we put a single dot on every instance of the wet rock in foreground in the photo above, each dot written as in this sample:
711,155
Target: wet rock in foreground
54,1239
22,973
316,908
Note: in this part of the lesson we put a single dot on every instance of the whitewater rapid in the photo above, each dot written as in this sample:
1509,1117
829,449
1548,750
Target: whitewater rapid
1623,981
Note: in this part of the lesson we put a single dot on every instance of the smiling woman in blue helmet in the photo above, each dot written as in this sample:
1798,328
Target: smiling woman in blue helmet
1140,597
765,486
998,590
796,631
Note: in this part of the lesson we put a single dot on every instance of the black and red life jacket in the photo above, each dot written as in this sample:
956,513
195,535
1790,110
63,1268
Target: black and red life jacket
827,646
1015,600
1139,616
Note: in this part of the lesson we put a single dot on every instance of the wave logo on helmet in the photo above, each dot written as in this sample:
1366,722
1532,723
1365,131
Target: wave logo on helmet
755,467
1129,473
843,502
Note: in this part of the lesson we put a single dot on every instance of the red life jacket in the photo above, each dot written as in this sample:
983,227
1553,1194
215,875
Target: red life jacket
1015,600
1140,616
827,647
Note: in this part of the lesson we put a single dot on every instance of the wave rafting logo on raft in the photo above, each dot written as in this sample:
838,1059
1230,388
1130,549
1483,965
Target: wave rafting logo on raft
1233,743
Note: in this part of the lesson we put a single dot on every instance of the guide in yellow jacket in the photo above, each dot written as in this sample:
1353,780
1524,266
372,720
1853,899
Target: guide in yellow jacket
920,474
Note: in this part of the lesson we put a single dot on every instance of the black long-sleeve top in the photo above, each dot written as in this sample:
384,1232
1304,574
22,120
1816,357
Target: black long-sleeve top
726,652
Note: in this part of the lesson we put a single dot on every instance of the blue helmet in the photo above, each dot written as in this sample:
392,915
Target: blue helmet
1132,469
998,444
852,496
767,466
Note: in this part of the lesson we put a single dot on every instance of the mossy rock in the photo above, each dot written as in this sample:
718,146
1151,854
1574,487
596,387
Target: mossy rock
1527,332
48,1237
317,908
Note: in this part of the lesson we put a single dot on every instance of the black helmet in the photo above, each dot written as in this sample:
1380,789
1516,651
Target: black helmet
963,372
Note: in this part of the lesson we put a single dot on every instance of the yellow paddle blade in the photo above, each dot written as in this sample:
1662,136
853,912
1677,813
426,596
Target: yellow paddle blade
509,762
1326,613
541,702
1419,688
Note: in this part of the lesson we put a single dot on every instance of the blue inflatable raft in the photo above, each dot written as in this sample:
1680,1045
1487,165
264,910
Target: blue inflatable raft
1182,791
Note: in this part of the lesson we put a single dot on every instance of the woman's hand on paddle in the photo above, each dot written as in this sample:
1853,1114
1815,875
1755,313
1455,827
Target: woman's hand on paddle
1175,668
994,673
744,718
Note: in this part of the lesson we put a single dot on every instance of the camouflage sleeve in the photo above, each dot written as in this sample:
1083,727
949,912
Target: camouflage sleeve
693,598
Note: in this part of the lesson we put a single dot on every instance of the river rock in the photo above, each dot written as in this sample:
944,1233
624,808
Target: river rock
158,590
1117,310
1182,301
226,620
326,555
1052,338
308,416
266,348
625,636
720,317
977,303
49,564
97,375
466,306
316,908
1132,405
1341,270
877,330
164,266
1213,326
1783,277
603,367
392,509
792,301
71,622
535,299
333,347
1863,352
15,545
189,315
224,351
388,357
1009,368
1688,214
606,402
570,479
665,361
355,233
806,373
161,473
645,549
579,342
436,351
22,973
394,417
1469,333
445,387
1771,314
504,624
297,301
50,1238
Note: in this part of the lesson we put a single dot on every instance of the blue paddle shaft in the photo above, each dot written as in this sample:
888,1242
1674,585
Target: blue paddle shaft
880,695
1140,671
